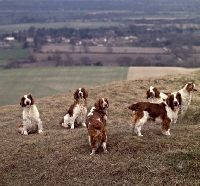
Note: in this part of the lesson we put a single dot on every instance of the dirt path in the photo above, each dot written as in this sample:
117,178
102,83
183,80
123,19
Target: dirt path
135,73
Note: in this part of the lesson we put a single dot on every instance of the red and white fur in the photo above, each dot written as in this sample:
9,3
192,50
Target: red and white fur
31,117
165,112
96,125
77,112
186,94
155,96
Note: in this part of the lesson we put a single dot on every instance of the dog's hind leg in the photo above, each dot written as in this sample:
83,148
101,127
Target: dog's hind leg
166,127
93,140
103,138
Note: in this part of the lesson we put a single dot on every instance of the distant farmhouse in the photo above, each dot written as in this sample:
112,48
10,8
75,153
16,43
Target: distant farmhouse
30,39
9,38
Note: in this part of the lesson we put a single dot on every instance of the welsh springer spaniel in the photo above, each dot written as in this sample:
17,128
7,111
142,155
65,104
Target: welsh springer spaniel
186,93
31,117
165,112
76,114
96,124
155,96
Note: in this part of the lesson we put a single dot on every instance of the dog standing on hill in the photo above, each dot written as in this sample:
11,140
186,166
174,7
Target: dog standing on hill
31,117
155,96
186,94
77,112
96,124
165,112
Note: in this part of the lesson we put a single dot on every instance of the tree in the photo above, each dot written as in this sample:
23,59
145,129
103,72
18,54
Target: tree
32,31
72,44
32,55
140,61
69,61
72,47
85,47
13,63
25,45
124,61
85,61
98,63
57,57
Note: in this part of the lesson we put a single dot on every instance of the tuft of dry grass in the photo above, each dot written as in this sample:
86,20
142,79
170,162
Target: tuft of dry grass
61,156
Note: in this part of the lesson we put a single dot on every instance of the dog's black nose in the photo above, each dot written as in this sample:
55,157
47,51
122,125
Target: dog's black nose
151,94
176,103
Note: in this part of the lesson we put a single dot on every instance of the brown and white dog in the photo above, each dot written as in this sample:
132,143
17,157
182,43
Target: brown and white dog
31,117
186,94
96,125
165,112
77,112
155,96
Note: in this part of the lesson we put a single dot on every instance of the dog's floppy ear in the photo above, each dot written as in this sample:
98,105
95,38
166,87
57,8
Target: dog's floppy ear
85,95
169,100
106,100
97,104
22,101
157,92
179,98
76,94
31,98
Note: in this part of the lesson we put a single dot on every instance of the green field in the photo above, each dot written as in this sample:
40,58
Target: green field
43,82
75,25
15,51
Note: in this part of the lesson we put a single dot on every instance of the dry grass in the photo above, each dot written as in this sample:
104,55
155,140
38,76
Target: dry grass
61,156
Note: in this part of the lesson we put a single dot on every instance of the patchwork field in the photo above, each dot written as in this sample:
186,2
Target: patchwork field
46,81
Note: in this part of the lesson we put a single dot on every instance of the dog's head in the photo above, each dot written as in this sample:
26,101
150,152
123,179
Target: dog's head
80,93
101,104
27,100
174,100
153,92
190,87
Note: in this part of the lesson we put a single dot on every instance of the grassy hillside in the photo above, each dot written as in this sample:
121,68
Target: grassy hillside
61,156
45,81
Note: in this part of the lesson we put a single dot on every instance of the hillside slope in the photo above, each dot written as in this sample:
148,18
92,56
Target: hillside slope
61,156
135,73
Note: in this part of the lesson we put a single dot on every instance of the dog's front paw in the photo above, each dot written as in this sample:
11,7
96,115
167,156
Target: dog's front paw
166,133
25,133
40,131
67,126
93,152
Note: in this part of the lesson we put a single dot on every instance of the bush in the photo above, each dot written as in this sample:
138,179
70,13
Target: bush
13,63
